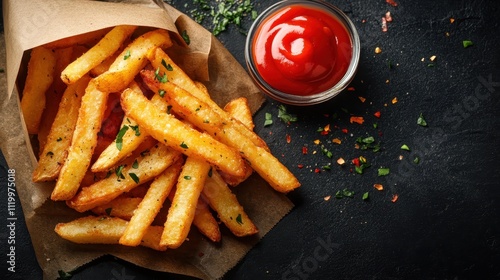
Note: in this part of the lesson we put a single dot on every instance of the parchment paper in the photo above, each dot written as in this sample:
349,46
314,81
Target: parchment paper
29,23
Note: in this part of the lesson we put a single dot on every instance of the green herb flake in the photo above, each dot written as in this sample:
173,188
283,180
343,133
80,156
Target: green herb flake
169,107
184,145
108,211
167,66
416,160
162,79
383,171
239,220
119,137
405,147
59,139
285,116
127,55
119,171
135,128
467,43
347,193
134,177
366,195
135,165
268,119
187,177
161,92
185,36
421,121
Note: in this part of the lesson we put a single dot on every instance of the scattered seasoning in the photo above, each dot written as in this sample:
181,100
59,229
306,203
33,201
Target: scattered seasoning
167,65
59,139
362,99
337,141
63,275
388,16
161,92
365,196
127,55
119,173
344,193
135,128
284,115
394,100
288,139
184,145
268,119
326,152
452,20
187,177
378,187
344,130
383,171
238,219
300,166
108,211
326,198
378,50
392,3
416,160
317,170
135,165
377,114
394,198
185,37
405,147
432,58
421,121
162,79
119,137
351,89
355,119
467,43
304,150
50,154
340,161
384,24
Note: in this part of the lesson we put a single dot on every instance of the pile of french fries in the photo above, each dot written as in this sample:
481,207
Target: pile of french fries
131,139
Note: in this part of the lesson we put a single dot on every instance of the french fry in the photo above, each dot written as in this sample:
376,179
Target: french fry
80,39
225,203
125,178
179,136
131,60
105,230
238,108
105,48
181,213
38,80
160,60
149,207
83,143
59,139
122,207
204,117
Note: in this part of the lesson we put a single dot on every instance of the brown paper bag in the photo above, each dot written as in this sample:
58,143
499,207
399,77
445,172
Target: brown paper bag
29,23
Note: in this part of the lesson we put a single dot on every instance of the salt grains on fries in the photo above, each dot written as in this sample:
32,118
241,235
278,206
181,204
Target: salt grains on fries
177,144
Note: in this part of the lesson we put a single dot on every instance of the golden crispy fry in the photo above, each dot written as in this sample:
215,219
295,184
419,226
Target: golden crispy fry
159,60
202,116
40,76
122,207
81,39
131,60
181,213
238,108
149,207
125,178
179,136
53,95
106,47
61,134
225,203
205,222
105,230
83,143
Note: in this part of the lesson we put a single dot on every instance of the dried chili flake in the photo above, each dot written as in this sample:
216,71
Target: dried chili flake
326,198
304,150
377,114
317,170
351,89
392,3
394,198
362,99
452,20
337,141
384,24
388,16
358,120
344,130
394,100
378,187
288,138
378,50
317,141
340,161
300,166
356,162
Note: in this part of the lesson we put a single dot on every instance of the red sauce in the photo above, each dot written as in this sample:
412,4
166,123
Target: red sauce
302,50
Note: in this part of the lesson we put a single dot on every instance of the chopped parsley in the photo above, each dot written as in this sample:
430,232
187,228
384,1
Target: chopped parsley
269,119
134,177
161,92
344,193
366,196
119,173
383,171
162,79
467,43
127,55
135,165
421,121
119,137
285,116
187,177
136,129
185,37
238,219
184,145
405,147
167,66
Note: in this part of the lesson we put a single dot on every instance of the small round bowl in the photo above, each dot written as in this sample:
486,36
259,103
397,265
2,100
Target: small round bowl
310,98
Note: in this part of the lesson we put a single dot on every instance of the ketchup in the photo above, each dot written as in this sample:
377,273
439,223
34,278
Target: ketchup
301,50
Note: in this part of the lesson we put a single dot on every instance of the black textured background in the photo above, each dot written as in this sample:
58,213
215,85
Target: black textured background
445,224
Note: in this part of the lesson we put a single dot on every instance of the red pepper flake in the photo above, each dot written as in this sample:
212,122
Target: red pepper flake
317,170
452,20
394,198
356,162
351,88
344,130
304,150
300,166
377,114
379,187
362,99
388,17
384,24
394,100
358,120
392,3
288,138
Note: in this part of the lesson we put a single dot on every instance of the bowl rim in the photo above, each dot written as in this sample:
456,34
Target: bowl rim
313,99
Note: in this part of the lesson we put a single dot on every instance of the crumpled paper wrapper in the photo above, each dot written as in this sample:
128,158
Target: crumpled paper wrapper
29,23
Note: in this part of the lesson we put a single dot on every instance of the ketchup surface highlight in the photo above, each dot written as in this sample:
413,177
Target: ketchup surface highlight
302,50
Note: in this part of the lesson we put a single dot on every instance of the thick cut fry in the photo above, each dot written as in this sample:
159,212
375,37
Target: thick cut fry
83,143
132,59
202,116
170,131
125,178
105,230
61,134
225,203
122,207
105,48
181,212
159,60
80,39
205,222
238,108
40,76
149,207
54,95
